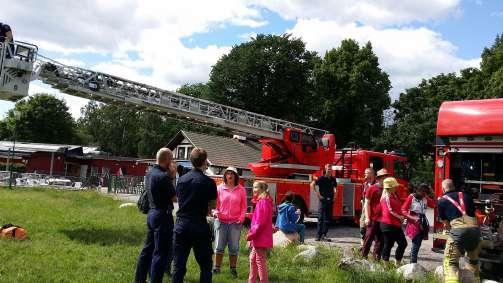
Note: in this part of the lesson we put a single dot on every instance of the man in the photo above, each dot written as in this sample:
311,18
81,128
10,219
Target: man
155,255
327,190
370,179
6,37
457,211
372,209
194,191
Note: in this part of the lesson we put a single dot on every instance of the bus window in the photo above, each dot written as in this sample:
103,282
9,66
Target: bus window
376,163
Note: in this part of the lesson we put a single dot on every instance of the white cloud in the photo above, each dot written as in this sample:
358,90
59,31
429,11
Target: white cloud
406,54
374,12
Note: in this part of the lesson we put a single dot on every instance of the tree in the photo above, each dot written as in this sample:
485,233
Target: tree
270,75
42,118
198,90
352,93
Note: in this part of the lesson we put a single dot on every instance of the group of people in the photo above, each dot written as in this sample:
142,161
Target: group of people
169,243
384,213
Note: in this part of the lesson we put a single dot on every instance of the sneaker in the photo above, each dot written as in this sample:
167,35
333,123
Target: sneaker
327,239
216,270
234,273
317,239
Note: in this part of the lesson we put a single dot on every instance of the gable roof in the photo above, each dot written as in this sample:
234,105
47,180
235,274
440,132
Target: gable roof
222,151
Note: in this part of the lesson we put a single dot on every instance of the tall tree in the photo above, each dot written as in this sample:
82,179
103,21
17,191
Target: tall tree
353,93
270,75
42,118
198,90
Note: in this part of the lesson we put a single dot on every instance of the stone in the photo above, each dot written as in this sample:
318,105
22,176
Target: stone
307,255
350,263
412,271
127,204
283,240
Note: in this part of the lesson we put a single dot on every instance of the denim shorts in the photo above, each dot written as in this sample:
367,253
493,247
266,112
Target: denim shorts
227,235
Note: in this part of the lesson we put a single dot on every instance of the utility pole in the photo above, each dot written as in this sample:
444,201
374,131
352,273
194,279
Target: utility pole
16,114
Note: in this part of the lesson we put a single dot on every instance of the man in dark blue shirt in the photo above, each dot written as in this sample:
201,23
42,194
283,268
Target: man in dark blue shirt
156,252
327,188
7,38
457,212
195,191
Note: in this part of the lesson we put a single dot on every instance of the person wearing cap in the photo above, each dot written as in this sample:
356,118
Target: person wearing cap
229,217
391,221
372,210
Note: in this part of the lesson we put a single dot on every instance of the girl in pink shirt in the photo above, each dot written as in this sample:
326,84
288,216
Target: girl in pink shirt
260,234
229,216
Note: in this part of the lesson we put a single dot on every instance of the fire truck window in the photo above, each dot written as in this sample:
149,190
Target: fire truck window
400,170
308,141
294,136
376,163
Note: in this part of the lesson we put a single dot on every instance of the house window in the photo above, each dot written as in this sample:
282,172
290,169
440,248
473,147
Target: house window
181,152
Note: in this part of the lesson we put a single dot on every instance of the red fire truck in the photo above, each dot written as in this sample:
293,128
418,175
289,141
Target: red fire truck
469,150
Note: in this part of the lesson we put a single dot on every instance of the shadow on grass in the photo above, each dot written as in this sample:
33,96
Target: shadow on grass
105,237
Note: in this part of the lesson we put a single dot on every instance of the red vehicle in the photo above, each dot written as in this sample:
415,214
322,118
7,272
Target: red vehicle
469,150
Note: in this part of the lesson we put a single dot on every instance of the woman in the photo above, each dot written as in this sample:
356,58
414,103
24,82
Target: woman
260,234
391,221
229,216
417,227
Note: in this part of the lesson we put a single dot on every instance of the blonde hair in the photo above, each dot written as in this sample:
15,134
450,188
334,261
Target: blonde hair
163,155
262,186
448,185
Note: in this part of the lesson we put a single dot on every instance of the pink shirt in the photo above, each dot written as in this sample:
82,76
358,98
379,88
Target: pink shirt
231,204
260,234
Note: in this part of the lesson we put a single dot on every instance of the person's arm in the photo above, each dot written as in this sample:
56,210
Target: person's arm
212,195
406,206
431,202
244,205
313,187
335,189
396,214
366,206
259,225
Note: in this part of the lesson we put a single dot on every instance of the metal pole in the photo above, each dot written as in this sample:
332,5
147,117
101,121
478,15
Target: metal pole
13,152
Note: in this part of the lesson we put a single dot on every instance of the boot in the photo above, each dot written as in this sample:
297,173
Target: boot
218,263
233,260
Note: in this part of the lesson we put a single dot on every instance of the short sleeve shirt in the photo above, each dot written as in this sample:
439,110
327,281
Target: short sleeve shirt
373,194
194,191
326,186
160,188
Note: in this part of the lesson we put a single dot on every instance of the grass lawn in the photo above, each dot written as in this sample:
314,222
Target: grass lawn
86,237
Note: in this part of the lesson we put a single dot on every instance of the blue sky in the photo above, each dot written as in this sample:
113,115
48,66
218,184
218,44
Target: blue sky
168,43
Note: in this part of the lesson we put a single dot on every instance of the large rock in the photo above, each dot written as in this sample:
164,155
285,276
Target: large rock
412,271
127,204
350,263
308,254
282,240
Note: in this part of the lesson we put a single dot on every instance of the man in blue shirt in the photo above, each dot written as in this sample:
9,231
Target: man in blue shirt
155,255
195,191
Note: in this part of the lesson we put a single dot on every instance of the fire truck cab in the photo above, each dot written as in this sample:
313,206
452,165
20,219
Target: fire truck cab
469,150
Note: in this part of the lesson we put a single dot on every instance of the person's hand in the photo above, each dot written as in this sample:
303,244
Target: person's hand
401,218
214,213
172,169
298,212
367,222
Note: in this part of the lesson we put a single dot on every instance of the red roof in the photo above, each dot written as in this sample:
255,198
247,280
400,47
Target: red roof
471,118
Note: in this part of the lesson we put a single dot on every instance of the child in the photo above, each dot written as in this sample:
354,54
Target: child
260,234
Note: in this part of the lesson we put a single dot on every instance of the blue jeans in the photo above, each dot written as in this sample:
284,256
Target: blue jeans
156,253
324,217
227,235
301,229
416,244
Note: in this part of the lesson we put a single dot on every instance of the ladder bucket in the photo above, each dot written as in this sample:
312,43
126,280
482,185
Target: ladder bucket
16,68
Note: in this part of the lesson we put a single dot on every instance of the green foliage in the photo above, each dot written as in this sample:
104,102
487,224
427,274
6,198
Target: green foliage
417,108
86,237
352,93
198,90
270,74
42,118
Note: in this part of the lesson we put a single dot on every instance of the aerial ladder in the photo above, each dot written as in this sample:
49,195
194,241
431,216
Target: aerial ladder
290,146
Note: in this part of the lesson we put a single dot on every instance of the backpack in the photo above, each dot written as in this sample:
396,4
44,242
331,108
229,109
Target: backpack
143,202
10,231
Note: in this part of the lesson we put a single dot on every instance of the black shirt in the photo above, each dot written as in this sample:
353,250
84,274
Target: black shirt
194,192
447,211
326,185
160,188
3,31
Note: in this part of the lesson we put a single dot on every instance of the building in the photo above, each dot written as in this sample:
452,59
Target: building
222,151
66,160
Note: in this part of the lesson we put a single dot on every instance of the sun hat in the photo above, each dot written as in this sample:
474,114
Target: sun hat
390,182
382,172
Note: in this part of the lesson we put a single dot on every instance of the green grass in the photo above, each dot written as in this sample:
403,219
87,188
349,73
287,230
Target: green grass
86,237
